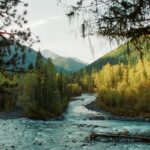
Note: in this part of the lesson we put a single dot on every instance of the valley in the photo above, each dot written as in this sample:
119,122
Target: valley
74,75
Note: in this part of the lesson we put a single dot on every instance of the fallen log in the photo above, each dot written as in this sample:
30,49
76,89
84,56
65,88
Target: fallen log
94,136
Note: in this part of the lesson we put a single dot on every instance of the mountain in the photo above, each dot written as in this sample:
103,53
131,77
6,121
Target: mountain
119,55
62,64
69,64
19,56
30,56
49,54
78,60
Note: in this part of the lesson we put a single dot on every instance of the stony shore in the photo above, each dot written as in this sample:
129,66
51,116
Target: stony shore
16,112
108,116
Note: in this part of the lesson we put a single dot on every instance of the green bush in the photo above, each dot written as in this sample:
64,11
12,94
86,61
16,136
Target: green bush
73,89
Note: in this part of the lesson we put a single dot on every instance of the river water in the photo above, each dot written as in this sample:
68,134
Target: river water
71,133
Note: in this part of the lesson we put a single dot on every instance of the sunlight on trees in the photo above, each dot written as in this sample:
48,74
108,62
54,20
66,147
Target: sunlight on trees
123,90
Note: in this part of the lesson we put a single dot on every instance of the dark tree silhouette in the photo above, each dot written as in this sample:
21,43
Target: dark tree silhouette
13,21
13,32
112,18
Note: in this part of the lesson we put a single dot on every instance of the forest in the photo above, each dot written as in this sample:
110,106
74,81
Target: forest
42,91
120,78
121,89
122,85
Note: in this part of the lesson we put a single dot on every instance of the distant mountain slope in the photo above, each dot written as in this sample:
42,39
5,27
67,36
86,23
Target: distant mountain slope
119,55
30,58
49,54
62,64
78,60
69,64
27,56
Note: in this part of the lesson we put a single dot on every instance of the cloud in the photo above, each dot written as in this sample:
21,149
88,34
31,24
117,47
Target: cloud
41,22
38,23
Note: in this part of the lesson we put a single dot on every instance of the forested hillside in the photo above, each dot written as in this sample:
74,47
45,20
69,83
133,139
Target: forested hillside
122,54
68,64
62,64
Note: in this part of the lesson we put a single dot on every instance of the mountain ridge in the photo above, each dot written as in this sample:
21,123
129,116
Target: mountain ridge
71,64
119,55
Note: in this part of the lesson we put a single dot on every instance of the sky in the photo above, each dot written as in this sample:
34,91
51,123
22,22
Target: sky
48,21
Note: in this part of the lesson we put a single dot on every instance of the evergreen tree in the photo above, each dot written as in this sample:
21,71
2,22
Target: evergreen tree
30,67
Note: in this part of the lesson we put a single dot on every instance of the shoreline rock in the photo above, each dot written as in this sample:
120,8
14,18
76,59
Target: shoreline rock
109,116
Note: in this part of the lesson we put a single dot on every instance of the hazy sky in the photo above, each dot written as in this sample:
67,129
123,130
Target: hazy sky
48,21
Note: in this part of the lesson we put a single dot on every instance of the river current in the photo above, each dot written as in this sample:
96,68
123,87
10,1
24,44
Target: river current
71,133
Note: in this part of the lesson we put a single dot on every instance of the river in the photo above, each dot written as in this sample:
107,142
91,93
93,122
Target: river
71,133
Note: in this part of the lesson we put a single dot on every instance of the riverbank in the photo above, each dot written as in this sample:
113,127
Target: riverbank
109,116
73,132
16,112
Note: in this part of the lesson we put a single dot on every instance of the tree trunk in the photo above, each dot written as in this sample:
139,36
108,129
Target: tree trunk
94,136
143,64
